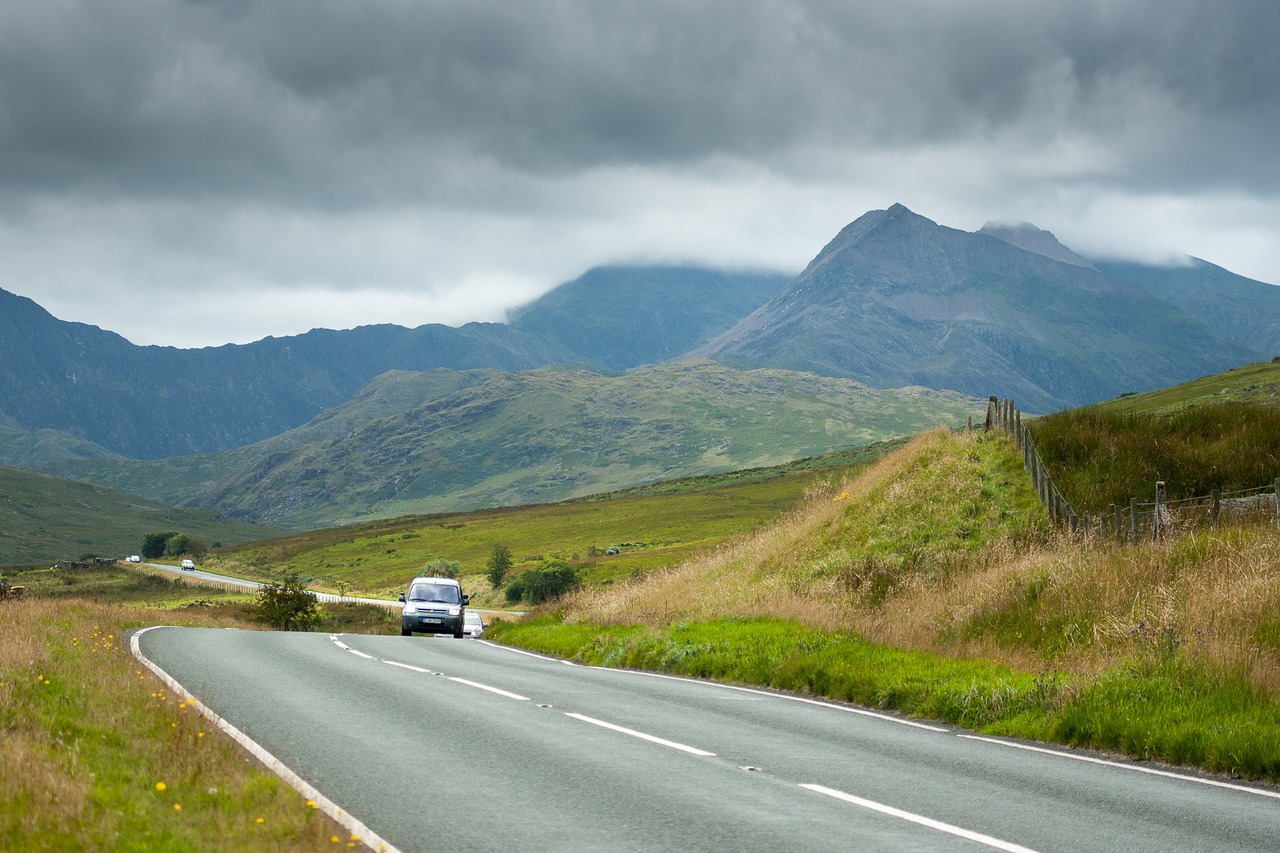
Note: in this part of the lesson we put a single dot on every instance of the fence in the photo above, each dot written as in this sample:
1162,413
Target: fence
1156,520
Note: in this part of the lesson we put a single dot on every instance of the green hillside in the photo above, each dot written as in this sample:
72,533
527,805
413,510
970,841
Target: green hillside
44,518
553,434
651,527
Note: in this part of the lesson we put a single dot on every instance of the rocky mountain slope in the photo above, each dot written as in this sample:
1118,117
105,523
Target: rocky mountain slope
896,299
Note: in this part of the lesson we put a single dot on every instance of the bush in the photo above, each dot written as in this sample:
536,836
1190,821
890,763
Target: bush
288,605
439,567
552,579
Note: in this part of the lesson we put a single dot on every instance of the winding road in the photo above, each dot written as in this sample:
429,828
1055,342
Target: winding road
442,744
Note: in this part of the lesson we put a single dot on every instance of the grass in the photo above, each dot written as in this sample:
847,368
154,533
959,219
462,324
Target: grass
652,527
97,755
930,583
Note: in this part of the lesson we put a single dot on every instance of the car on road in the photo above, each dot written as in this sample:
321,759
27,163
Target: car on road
188,566
433,606
472,624
134,558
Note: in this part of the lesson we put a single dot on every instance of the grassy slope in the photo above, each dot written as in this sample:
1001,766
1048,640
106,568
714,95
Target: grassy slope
929,584
97,755
653,526
43,519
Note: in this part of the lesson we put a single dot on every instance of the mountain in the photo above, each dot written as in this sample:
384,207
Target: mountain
896,299
43,519
551,434
620,317
1237,309
150,402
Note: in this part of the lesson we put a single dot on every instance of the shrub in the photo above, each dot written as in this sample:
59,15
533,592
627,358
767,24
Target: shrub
552,579
288,605
439,567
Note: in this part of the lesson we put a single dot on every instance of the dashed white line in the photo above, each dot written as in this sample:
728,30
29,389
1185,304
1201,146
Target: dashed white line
1133,767
497,690
957,831
407,666
692,750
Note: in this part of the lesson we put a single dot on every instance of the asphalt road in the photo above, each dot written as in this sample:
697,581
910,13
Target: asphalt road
441,744
201,574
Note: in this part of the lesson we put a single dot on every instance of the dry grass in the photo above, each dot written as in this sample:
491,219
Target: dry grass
912,554
95,755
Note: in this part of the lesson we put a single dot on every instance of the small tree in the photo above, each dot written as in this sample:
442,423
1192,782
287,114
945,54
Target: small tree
153,544
288,605
499,564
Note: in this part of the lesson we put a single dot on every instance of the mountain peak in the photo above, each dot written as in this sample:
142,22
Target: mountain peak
1029,238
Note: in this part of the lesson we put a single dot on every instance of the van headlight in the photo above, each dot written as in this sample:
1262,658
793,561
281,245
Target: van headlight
455,611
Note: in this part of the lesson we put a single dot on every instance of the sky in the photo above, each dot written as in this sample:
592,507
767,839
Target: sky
200,173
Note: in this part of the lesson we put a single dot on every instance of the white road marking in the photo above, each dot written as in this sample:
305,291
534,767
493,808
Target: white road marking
692,750
846,708
497,690
344,818
407,666
957,831
1133,767
527,654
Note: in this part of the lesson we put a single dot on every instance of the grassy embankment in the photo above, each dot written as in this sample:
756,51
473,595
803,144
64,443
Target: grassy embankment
96,754
651,527
930,584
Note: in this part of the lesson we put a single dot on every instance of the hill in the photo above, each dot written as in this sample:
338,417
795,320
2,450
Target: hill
151,402
43,519
619,317
896,299
548,435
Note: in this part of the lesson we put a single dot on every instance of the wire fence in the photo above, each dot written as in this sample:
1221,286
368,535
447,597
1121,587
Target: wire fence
1155,520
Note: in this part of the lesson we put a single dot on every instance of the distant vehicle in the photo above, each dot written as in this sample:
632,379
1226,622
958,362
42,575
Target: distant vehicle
472,624
433,606
188,566
135,559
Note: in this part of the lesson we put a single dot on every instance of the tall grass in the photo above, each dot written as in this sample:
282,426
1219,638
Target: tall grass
940,551
95,754
1099,456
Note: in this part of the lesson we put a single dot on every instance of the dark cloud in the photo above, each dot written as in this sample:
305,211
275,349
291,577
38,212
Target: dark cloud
339,115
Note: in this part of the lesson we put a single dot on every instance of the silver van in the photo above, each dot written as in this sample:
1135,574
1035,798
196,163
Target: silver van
433,606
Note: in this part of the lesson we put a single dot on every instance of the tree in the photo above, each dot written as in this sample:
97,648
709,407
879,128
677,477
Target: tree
153,544
499,564
288,605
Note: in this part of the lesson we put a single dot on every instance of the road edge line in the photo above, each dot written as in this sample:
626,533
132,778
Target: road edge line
366,835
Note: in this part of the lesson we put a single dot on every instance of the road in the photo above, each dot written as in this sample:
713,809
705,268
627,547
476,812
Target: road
200,574
442,744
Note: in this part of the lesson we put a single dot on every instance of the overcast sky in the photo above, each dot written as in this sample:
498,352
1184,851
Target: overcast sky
197,173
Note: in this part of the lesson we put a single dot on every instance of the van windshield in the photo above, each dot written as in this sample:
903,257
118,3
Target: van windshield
437,592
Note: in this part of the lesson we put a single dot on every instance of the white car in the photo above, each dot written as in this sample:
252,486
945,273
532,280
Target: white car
472,624
135,559
188,566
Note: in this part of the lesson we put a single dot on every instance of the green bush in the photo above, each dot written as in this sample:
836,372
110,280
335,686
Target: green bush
439,567
288,605
552,579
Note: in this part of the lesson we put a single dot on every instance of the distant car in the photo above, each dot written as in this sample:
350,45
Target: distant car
135,559
188,566
472,624
433,606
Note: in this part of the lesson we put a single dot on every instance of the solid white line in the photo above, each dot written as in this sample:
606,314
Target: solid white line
921,820
499,691
344,818
1135,768
494,645
692,750
407,666
846,708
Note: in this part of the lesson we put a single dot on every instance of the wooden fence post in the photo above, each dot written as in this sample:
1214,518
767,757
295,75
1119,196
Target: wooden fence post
1216,508
1115,511
992,403
1157,518
1133,520
1277,496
